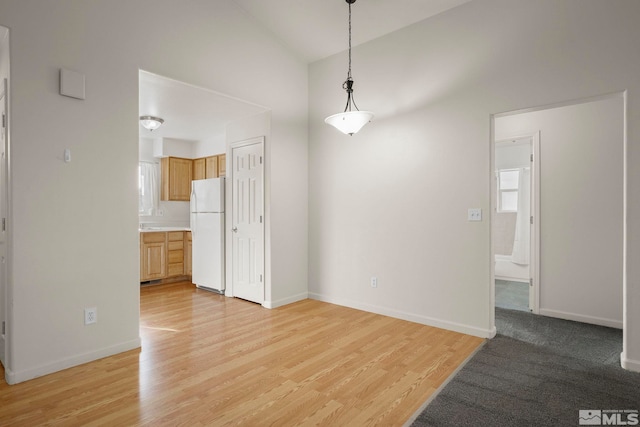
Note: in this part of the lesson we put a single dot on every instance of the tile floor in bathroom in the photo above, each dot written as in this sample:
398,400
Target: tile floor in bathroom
512,295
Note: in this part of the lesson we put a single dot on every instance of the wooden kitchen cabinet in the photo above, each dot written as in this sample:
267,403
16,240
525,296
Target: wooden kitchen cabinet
153,256
176,178
199,169
188,253
222,164
211,166
175,253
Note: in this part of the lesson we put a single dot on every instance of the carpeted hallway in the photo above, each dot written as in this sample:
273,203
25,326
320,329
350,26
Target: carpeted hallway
538,371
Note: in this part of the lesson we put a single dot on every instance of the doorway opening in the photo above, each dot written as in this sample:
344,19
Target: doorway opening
514,214
193,143
577,200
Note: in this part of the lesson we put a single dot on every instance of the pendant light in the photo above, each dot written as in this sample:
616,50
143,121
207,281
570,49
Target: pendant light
350,121
151,123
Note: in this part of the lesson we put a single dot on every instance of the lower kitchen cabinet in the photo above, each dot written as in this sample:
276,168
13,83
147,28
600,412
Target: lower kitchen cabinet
164,255
175,253
188,253
153,257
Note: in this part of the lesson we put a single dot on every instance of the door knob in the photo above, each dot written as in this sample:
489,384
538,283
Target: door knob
234,229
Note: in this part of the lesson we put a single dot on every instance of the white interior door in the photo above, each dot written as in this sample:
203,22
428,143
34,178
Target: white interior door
247,223
3,216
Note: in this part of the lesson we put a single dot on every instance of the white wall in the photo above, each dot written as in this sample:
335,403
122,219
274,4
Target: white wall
282,285
58,267
581,207
392,200
173,147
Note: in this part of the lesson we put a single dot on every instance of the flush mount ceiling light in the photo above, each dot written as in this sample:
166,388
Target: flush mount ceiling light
350,121
151,123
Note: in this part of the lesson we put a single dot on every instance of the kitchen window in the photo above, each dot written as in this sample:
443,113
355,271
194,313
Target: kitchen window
148,188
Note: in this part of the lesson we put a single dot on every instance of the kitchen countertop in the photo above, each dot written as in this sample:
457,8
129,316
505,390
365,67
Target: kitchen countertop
162,229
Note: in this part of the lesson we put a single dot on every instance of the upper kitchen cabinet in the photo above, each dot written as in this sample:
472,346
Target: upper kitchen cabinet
222,164
176,178
211,166
199,169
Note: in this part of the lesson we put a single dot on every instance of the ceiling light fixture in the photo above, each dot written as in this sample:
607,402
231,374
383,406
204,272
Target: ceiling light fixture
151,123
350,121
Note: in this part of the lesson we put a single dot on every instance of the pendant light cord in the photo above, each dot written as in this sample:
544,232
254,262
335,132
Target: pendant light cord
348,84
349,72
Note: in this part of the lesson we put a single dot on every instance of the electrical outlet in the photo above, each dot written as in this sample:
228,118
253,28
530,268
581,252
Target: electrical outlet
374,282
90,315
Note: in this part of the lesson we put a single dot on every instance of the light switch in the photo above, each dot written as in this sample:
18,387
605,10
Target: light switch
475,214
67,155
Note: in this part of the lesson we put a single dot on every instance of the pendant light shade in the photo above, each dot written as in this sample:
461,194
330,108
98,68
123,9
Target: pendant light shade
151,123
350,121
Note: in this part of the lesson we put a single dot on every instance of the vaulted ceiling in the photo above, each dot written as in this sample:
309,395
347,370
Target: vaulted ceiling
312,29
315,29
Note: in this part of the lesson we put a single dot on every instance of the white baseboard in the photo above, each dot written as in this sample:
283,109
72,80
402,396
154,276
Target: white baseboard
411,317
494,332
14,377
582,318
629,364
285,301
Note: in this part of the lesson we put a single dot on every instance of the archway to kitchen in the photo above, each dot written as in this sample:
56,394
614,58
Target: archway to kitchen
193,142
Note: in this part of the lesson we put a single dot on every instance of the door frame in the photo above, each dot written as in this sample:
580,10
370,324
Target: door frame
534,240
4,213
229,290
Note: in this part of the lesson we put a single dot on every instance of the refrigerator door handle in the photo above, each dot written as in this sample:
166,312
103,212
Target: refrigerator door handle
194,200
194,209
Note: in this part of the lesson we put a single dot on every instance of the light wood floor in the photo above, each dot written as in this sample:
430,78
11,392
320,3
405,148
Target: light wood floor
211,360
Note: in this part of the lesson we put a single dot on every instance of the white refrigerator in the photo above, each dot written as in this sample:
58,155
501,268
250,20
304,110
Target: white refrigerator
207,233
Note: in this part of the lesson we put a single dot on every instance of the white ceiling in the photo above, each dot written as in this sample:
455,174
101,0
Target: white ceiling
315,29
189,112
312,29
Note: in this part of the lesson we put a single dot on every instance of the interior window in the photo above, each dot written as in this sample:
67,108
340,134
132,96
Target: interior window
508,190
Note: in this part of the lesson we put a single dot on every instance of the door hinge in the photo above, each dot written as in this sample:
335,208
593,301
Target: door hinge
260,219
531,282
531,220
531,157
3,327
261,278
4,224
4,121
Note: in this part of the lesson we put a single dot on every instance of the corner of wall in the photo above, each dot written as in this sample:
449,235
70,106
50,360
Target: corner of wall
629,364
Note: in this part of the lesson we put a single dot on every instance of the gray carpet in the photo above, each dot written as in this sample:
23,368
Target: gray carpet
538,371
